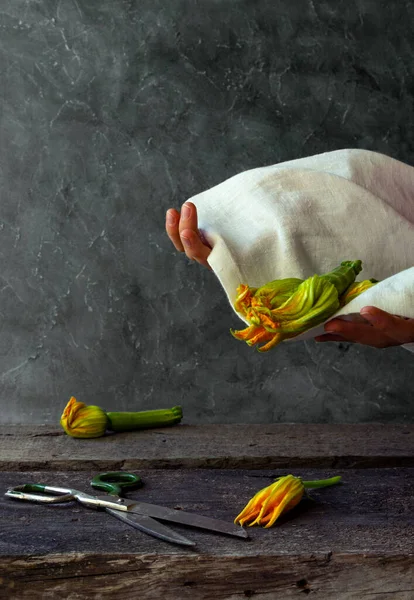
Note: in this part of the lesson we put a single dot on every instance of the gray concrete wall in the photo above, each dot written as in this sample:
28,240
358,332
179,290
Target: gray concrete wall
113,111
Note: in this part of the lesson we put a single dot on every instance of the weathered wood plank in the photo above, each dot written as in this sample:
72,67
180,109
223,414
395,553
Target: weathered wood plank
351,542
203,577
371,512
214,446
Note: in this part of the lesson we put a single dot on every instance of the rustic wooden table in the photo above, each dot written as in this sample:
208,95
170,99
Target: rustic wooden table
352,541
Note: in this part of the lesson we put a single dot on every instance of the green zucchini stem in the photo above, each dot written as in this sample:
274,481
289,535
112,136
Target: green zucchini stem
320,483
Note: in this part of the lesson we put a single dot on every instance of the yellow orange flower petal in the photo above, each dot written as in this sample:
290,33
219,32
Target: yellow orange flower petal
81,421
355,289
287,492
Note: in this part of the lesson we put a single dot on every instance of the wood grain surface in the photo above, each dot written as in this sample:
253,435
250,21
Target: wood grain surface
348,542
26,447
358,536
158,576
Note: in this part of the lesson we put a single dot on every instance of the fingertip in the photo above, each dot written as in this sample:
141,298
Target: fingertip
186,211
171,218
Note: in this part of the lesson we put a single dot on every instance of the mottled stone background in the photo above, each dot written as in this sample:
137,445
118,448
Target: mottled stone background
113,111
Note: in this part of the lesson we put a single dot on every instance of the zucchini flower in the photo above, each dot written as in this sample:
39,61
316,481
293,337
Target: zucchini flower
82,421
272,501
79,420
284,308
355,289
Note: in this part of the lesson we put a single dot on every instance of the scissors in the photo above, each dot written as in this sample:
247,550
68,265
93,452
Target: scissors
140,515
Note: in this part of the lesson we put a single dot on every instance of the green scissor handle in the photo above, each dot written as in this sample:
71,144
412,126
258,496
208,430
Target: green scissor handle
115,482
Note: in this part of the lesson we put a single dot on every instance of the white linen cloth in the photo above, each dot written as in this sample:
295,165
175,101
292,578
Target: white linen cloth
306,216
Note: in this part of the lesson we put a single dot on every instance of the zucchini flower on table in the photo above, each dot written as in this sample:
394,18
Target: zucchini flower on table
274,500
284,308
82,421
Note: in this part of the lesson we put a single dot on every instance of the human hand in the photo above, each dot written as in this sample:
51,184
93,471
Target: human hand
182,229
375,328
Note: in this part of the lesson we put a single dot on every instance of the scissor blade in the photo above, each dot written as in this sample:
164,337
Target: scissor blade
151,526
185,518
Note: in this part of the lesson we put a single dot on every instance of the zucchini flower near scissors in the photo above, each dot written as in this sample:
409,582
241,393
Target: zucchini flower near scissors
274,500
82,421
